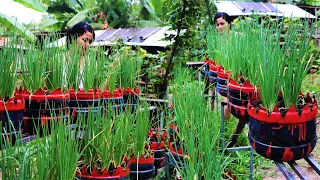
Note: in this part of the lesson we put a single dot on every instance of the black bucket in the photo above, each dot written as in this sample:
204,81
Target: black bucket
281,137
43,106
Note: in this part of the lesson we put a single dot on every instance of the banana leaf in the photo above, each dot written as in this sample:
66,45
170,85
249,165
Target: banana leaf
13,24
33,4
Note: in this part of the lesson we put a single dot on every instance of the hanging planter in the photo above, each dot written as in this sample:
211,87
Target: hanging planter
42,107
83,102
222,82
142,168
130,98
114,99
173,130
283,136
238,95
213,72
158,147
11,116
176,157
207,62
118,173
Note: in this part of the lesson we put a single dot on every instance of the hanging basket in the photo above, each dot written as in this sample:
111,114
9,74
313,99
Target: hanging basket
282,137
238,96
14,107
11,116
82,102
222,82
42,107
130,98
142,168
119,174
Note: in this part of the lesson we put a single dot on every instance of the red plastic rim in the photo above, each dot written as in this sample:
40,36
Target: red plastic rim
142,160
118,173
291,117
157,146
222,74
173,150
208,61
12,105
40,95
131,91
82,95
242,109
246,87
154,132
117,93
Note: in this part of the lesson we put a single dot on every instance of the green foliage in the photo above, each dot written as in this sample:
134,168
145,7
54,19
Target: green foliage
15,26
34,68
198,133
129,65
33,4
311,84
9,56
80,16
140,131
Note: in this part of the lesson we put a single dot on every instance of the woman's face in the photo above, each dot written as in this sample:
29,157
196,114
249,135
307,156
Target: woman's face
222,25
85,40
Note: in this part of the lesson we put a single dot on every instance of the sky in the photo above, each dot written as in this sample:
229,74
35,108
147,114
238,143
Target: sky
23,14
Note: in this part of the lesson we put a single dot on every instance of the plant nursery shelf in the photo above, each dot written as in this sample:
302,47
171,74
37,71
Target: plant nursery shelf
297,169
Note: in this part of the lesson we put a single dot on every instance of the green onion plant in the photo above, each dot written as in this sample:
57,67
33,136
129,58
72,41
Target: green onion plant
34,68
130,65
297,61
73,58
10,56
198,130
139,133
92,67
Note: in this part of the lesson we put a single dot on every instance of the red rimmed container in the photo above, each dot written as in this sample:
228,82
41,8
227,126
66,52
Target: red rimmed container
114,99
83,102
130,98
142,168
207,61
176,157
283,137
238,97
118,174
173,129
213,72
222,82
158,141
11,116
42,106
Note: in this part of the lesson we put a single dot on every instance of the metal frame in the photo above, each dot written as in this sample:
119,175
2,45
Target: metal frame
289,175
240,148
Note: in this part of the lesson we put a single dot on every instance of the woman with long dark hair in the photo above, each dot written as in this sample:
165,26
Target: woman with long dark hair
82,34
223,22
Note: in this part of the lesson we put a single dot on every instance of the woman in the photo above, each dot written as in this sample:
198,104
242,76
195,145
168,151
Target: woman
83,35
223,25
223,22
80,36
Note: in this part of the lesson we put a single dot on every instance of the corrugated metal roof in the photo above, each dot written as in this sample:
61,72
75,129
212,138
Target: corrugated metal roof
138,35
235,8
149,36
